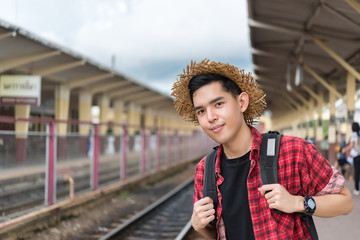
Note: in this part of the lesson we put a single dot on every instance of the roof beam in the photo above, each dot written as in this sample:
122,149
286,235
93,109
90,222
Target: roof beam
294,107
261,68
299,96
47,70
263,80
309,23
311,20
281,91
337,58
341,15
322,81
291,100
160,103
6,35
133,97
123,91
276,28
257,51
355,4
83,81
288,103
150,100
107,86
310,92
281,55
272,27
13,62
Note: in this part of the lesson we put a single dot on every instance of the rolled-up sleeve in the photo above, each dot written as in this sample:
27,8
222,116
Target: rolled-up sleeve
335,185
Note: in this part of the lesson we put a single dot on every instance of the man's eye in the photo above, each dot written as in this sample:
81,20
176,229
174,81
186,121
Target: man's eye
218,104
200,112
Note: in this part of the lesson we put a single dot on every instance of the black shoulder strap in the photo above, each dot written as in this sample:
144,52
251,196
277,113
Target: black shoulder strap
209,186
310,225
269,154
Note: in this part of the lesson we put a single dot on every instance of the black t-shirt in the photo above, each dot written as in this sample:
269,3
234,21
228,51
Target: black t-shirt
235,202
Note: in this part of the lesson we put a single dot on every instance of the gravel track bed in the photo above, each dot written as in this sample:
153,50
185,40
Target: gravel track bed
93,223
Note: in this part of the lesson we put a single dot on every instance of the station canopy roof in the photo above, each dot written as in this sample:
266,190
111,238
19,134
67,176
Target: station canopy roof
22,52
318,38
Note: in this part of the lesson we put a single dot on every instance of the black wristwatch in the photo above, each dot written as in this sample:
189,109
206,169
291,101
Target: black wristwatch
309,205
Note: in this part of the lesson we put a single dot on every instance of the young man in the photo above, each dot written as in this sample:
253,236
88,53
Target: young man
225,101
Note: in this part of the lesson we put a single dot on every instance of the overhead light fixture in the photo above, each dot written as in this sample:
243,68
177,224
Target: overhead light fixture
288,76
299,74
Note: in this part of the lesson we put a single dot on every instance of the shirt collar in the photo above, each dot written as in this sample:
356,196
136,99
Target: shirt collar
256,143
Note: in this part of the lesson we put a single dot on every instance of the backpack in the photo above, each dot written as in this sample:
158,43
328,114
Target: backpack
269,154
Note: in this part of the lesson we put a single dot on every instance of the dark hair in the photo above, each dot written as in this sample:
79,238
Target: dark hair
355,127
203,79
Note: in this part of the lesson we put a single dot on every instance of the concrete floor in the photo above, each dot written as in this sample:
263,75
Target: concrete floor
345,227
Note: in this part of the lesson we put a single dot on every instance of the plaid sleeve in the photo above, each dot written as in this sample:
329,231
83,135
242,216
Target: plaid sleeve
199,180
318,176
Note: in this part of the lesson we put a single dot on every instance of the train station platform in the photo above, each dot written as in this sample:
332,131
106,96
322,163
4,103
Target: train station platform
341,227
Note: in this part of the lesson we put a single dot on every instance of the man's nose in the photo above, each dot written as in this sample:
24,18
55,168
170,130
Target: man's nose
211,115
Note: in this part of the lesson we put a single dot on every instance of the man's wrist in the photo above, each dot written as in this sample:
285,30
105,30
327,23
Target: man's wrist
300,204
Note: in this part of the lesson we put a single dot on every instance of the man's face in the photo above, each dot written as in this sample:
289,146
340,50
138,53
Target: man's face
220,115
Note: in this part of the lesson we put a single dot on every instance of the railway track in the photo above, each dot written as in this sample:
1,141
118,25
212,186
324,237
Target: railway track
167,218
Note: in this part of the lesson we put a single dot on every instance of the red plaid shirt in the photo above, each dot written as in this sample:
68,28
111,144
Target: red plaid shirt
301,170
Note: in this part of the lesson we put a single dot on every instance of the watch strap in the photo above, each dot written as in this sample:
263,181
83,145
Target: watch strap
309,205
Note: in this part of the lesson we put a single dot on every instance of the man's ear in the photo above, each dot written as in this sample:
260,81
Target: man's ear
243,99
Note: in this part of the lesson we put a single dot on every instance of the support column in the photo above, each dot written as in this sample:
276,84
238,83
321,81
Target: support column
294,124
149,118
21,129
119,120
332,127
163,134
169,133
103,103
319,125
134,118
303,122
62,102
150,129
311,130
85,102
350,93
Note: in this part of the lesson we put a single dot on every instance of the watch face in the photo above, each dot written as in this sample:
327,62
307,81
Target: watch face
311,203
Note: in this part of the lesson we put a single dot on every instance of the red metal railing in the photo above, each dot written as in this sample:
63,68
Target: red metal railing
155,149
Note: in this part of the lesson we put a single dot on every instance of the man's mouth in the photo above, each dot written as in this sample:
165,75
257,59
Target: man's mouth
217,128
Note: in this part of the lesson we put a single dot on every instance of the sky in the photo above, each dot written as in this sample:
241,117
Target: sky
150,41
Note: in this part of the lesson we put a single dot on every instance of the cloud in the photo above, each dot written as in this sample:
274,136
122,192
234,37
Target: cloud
162,29
151,40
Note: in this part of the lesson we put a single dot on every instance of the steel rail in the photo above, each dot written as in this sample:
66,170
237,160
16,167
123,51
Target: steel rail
140,215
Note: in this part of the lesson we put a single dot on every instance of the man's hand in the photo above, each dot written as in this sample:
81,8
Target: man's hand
279,198
203,213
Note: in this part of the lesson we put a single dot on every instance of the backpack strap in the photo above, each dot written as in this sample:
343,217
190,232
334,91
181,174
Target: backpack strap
269,154
310,225
209,186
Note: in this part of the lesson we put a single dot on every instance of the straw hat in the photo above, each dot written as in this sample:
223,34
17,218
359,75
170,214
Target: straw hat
246,82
